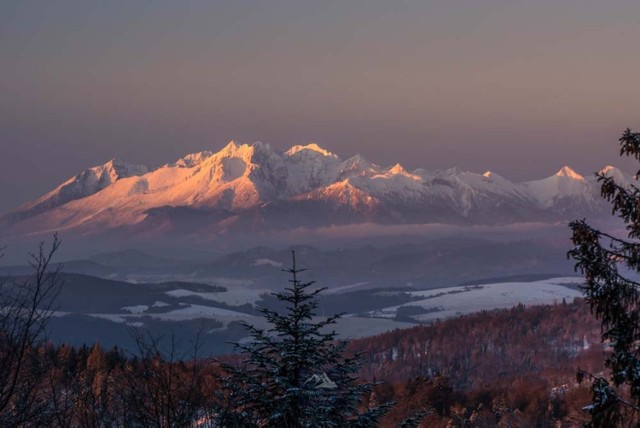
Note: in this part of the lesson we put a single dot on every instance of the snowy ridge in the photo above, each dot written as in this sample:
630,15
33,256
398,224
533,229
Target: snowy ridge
616,174
313,147
191,160
82,185
254,187
566,183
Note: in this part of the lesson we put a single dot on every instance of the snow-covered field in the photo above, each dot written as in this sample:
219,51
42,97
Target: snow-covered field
200,311
453,301
185,313
234,296
438,304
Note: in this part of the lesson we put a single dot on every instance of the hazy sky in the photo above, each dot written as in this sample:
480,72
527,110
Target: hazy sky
518,87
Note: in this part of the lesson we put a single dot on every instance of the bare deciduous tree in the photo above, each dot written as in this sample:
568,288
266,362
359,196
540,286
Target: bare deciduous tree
25,308
161,385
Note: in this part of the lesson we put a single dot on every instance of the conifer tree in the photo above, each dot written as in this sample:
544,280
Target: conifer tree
611,266
295,373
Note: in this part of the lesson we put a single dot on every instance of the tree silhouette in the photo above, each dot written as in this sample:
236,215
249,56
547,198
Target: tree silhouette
25,309
611,267
295,373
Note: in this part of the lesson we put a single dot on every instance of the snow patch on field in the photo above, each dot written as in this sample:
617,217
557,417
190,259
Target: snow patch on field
345,288
462,300
199,311
185,313
234,296
439,303
137,309
159,304
117,318
137,324
181,292
268,262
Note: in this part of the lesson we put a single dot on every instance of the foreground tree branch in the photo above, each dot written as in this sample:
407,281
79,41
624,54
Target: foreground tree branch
611,267
25,309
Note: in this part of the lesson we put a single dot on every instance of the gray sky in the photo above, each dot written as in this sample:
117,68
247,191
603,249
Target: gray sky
517,87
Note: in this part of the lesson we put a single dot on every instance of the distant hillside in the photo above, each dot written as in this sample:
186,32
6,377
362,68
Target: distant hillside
520,355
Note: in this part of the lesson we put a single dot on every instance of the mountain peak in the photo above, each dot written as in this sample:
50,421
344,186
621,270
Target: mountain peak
565,171
312,147
238,150
114,162
231,146
115,169
613,172
356,163
192,159
397,169
88,182
610,170
493,177
231,149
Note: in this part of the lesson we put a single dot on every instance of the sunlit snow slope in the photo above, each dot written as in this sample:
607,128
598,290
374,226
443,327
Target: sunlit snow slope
255,188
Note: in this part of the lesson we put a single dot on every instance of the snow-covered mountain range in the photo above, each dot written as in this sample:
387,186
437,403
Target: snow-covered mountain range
252,188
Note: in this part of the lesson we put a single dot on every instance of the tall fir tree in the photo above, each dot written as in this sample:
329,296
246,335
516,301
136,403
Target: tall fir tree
295,373
611,266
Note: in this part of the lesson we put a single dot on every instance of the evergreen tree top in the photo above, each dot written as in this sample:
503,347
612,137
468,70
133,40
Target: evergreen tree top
294,373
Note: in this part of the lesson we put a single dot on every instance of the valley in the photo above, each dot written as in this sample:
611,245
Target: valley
94,310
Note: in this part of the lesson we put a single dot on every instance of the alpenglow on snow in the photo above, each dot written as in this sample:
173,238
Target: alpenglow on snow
256,188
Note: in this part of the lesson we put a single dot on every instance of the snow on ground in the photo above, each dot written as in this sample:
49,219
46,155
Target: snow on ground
186,313
346,327
137,324
269,262
118,318
345,288
445,302
159,304
199,311
226,282
455,301
181,292
235,296
138,309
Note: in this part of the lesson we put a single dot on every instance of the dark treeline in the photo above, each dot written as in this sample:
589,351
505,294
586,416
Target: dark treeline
508,367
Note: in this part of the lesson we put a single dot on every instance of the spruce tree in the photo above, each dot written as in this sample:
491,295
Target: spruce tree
611,266
295,373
